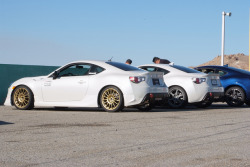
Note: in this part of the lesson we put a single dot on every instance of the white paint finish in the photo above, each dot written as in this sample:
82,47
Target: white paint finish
195,92
83,91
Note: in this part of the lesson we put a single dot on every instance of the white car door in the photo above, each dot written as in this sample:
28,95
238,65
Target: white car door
71,84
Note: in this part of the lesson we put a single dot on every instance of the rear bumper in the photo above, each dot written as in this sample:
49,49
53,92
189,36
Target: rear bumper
218,95
151,98
213,96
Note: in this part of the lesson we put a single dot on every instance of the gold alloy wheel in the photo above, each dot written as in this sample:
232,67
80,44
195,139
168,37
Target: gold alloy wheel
110,99
21,98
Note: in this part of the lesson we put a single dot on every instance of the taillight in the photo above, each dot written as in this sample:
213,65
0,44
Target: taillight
199,80
136,79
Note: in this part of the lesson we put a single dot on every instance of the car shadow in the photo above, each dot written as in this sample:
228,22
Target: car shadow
5,123
214,106
62,109
189,107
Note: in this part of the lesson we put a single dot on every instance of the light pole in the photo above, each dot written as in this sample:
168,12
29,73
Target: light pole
223,36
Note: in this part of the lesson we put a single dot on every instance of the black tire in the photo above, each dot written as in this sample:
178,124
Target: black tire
22,98
235,96
111,99
177,97
248,102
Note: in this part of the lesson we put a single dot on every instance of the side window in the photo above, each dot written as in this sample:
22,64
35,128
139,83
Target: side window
162,70
96,69
207,71
75,70
221,73
210,71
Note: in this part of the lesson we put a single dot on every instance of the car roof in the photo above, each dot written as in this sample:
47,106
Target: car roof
97,62
212,66
101,63
167,67
227,68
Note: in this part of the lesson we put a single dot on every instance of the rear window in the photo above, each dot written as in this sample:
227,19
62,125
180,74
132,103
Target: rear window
123,66
212,71
185,69
153,69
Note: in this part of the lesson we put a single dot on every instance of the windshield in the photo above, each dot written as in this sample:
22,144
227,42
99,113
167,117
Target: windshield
185,69
124,66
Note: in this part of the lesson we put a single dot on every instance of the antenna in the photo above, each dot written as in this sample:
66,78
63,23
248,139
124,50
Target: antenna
111,58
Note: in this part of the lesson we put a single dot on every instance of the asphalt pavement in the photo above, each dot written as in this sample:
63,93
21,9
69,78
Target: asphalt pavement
218,136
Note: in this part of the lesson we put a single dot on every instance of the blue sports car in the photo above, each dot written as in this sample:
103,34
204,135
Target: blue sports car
236,83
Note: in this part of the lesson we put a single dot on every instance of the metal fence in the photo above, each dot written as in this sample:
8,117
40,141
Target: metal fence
11,73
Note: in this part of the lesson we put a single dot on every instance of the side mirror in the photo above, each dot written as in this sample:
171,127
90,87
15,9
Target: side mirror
55,75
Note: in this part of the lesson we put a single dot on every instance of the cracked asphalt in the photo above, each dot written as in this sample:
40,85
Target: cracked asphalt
213,137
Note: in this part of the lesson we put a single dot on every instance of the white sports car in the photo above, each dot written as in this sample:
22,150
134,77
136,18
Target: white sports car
188,85
110,85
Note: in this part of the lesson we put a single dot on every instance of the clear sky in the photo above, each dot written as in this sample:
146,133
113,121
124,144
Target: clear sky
55,32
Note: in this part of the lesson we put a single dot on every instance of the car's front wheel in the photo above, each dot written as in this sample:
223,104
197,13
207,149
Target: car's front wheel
23,98
235,96
111,99
177,97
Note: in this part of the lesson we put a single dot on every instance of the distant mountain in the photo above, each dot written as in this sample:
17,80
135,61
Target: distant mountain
235,60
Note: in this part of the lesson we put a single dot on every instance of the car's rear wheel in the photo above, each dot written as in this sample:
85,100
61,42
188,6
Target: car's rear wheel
248,102
23,98
111,99
177,97
235,96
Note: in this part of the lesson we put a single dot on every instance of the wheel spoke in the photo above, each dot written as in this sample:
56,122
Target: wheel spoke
177,97
110,99
21,97
235,96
